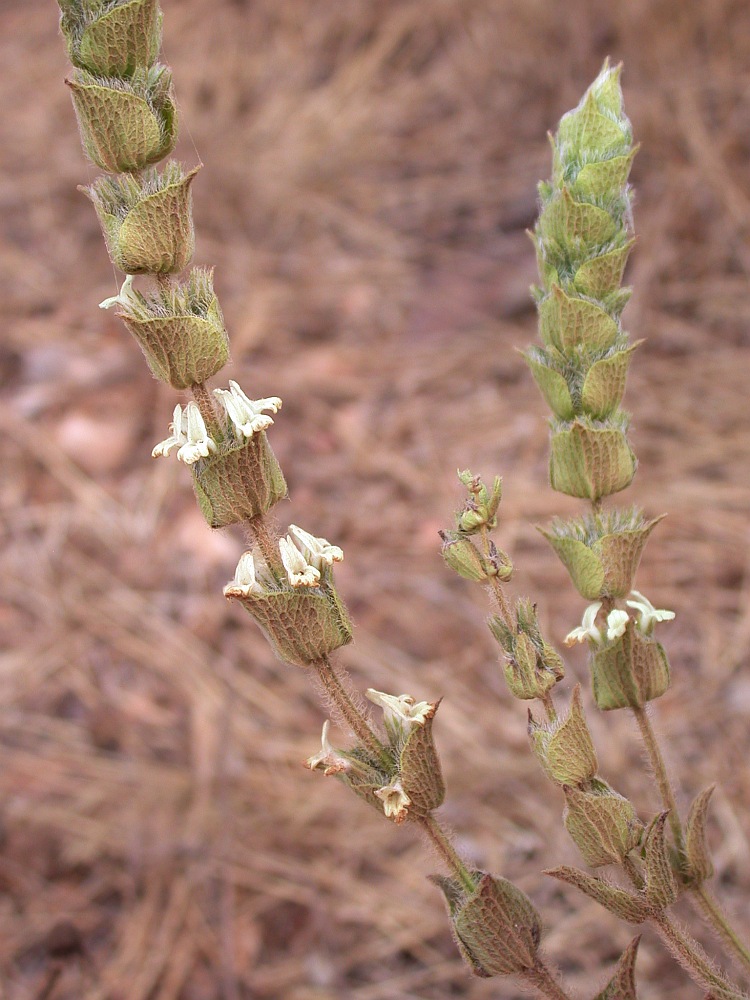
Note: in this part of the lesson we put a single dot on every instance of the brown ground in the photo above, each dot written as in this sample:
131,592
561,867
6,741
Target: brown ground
370,170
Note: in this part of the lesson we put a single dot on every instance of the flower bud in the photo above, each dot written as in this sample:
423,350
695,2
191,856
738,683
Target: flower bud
462,556
240,481
113,39
565,748
147,221
180,329
601,551
496,927
481,508
591,459
630,671
302,624
603,824
126,125
532,666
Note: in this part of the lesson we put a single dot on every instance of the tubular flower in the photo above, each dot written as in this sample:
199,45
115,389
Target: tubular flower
247,414
395,800
299,572
647,613
617,622
189,434
587,629
245,580
317,552
401,708
327,758
124,297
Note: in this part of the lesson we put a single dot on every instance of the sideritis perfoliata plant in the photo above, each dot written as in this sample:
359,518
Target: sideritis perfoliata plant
583,237
126,110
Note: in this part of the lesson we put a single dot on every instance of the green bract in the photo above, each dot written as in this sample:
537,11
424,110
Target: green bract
240,481
496,927
148,220
630,671
111,37
601,551
303,624
180,329
126,124
591,458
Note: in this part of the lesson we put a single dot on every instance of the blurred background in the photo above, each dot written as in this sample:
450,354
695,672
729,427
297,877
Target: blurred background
370,171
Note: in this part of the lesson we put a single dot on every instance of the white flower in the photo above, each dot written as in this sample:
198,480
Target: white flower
124,297
401,708
617,622
189,434
177,438
395,800
247,414
298,571
587,629
245,580
318,552
648,614
327,758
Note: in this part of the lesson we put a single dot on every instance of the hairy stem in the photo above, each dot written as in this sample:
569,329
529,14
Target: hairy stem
442,844
661,774
714,915
708,907
542,980
342,700
694,960
631,869
204,399
267,542
549,707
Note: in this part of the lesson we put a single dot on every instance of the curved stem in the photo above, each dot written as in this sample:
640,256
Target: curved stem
442,844
349,712
661,774
712,912
542,979
694,960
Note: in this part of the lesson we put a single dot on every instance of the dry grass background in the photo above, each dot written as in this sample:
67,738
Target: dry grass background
370,170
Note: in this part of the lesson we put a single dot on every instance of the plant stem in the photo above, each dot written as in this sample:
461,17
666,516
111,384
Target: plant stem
267,543
712,912
694,960
632,872
203,398
349,712
446,850
496,587
661,774
709,908
541,978
549,707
